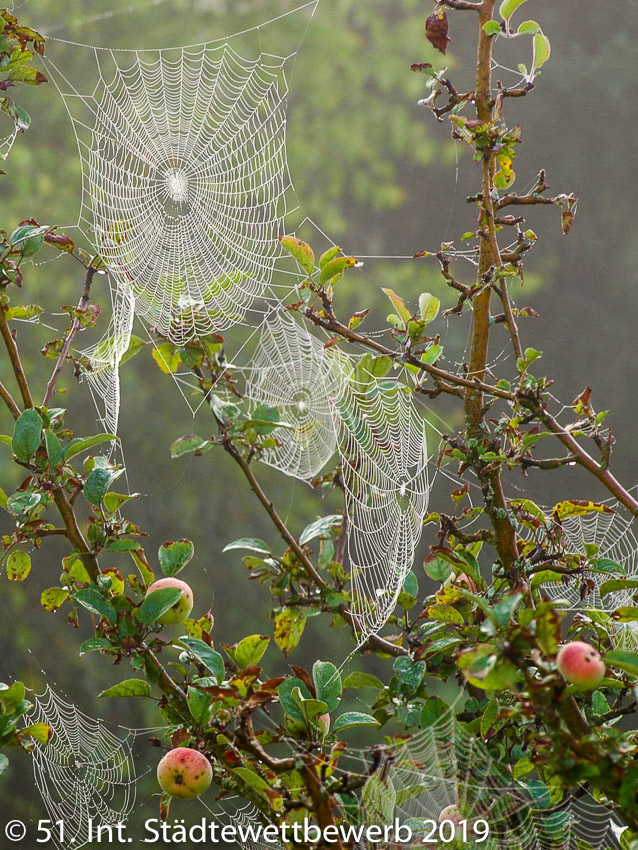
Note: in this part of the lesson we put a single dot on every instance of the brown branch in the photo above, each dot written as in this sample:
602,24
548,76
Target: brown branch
489,258
581,455
75,327
14,357
321,801
249,741
74,534
8,399
461,5
350,617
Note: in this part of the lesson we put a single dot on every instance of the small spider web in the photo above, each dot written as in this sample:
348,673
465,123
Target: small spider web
613,534
382,442
85,773
292,371
444,766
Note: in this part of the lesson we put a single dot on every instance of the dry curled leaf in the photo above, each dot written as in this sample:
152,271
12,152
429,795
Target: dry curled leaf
436,30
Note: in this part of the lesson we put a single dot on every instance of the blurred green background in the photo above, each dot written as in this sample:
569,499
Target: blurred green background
377,173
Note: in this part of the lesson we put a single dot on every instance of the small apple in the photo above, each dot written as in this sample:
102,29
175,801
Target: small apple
451,813
184,605
184,773
581,664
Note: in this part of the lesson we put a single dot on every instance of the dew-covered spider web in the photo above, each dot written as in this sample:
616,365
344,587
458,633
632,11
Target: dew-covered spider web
293,372
185,184
85,773
599,538
444,772
382,444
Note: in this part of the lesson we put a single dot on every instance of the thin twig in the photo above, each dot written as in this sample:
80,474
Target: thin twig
14,357
350,617
75,327
8,399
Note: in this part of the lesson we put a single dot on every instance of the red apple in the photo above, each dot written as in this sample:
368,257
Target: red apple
581,664
184,773
184,605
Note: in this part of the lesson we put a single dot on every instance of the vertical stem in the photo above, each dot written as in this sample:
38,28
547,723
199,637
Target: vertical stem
75,327
489,258
14,357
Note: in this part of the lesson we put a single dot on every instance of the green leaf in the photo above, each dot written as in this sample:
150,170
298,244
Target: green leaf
11,697
253,544
265,418
134,347
250,650
40,732
53,598
623,660
157,603
491,28
208,657
437,569
409,672
18,566
167,358
327,680
27,434
289,703
173,557
93,601
320,528
254,781
398,305
95,645
335,269
329,255
187,444
128,688
354,718
362,680
53,448
616,584
508,7
4,763
429,307
301,251
97,484
310,708
24,312
379,798
289,627
82,444
200,705
542,50
529,27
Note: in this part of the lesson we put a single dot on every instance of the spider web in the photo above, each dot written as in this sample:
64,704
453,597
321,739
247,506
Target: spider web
292,371
85,773
382,442
444,766
185,187
613,534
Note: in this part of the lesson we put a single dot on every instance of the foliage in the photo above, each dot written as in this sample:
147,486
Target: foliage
481,620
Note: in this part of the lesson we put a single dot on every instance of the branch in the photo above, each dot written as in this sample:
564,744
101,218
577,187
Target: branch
75,327
74,534
581,455
14,357
379,642
461,5
8,399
